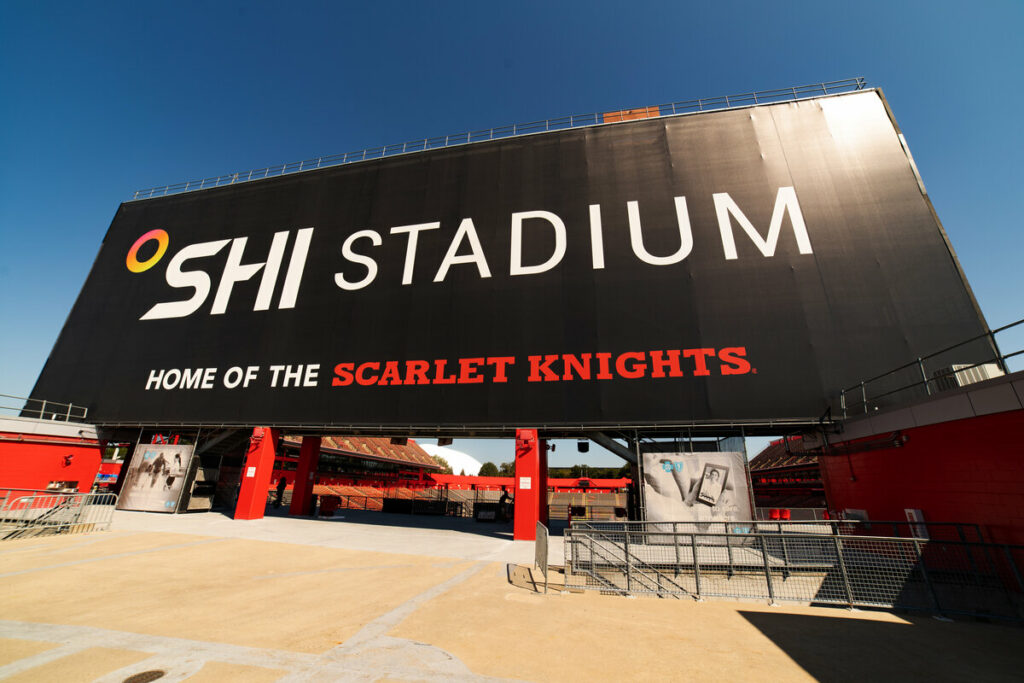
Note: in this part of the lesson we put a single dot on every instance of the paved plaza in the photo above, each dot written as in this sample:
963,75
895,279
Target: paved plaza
374,597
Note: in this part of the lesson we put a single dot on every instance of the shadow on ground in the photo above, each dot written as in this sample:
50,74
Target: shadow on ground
468,525
849,649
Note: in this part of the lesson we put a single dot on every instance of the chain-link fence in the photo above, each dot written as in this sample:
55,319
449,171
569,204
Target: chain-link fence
39,514
806,566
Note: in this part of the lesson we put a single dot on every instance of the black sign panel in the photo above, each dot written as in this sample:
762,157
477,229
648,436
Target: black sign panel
741,265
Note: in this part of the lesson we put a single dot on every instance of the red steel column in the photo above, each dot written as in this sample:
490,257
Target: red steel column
305,476
543,488
528,492
257,473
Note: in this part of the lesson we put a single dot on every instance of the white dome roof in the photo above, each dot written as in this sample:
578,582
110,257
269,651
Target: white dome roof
457,459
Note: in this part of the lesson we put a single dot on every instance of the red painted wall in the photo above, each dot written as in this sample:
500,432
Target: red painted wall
968,470
32,462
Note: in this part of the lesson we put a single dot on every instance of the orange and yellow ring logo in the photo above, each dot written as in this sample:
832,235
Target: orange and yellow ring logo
162,240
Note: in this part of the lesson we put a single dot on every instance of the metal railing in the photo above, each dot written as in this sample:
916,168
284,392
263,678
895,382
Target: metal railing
43,409
41,513
947,577
514,130
912,379
940,531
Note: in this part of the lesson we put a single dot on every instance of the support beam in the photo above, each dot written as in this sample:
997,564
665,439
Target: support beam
602,439
257,473
305,476
531,487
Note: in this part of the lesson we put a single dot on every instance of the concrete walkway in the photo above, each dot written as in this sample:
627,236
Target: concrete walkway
205,598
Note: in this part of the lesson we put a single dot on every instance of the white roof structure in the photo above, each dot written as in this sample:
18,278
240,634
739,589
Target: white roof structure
457,459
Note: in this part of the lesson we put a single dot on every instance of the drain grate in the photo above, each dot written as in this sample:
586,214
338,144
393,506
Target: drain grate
145,676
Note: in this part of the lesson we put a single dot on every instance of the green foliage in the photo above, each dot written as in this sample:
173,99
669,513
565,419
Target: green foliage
488,469
507,469
445,467
588,472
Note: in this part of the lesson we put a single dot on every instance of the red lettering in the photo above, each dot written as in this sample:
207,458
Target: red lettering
639,368
733,361
604,366
362,378
416,372
700,360
537,368
390,374
469,370
439,377
658,364
344,374
500,363
574,363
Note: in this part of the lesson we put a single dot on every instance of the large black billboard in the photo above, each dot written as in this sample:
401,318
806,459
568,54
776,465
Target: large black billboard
734,266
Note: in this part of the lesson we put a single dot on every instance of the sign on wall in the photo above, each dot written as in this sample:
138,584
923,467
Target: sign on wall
741,265
695,487
155,478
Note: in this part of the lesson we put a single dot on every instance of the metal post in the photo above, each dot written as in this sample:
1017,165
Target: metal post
842,570
675,542
924,376
842,402
999,356
924,575
785,556
629,565
767,570
970,553
864,396
42,411
728,549
696,564
1013,566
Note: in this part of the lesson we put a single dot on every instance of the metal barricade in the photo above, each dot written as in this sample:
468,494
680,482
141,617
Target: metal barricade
41,514
742,560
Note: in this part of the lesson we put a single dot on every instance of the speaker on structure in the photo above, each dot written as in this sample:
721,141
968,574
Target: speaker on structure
583,446
396,441
444,442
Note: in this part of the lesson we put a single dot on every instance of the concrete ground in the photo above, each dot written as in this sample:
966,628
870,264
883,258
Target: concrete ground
375,597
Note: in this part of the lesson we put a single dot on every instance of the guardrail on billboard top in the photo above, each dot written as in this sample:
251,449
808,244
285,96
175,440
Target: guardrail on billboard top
513,130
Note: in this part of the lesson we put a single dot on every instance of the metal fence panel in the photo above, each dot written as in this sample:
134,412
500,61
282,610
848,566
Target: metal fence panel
56,513
676,560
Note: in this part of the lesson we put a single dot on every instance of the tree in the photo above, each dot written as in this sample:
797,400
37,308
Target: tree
507,469
488,469
462,473
445,467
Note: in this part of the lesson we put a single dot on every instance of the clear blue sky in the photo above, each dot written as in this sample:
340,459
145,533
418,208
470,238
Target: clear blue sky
100,99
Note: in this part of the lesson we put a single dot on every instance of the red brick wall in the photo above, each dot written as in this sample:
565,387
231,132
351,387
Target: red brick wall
26,465
968,470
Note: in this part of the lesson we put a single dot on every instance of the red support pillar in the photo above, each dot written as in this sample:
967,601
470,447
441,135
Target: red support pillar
257,473
305,476
530,484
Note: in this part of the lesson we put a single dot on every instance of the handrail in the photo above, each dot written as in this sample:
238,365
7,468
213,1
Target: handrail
515,130
51,410
999,358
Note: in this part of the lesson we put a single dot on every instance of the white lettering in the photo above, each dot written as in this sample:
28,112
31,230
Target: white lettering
410,248
171,378
155,378
596,237
516,266
636,237
191,377
196,279
371,265
785,201
233,377
297,264
466,231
